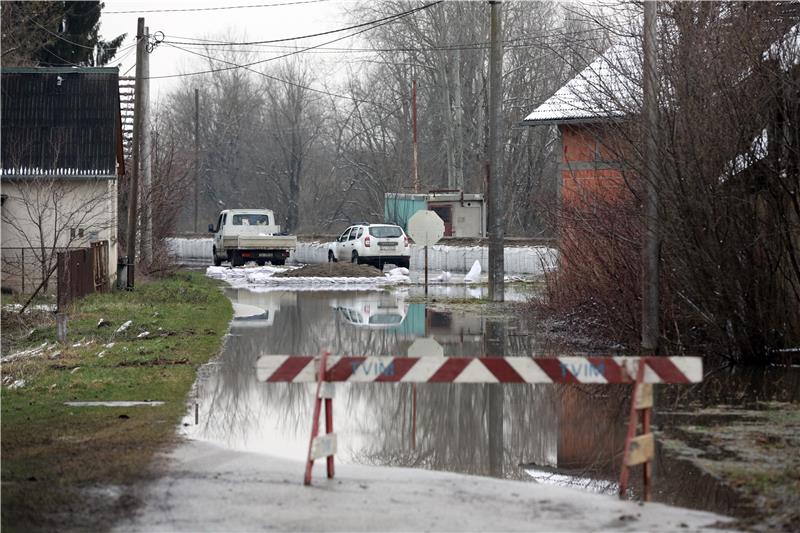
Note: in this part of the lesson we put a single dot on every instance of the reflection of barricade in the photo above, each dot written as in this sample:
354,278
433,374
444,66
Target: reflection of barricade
641,372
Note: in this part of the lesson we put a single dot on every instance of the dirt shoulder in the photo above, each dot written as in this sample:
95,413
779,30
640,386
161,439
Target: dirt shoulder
332,270
74,468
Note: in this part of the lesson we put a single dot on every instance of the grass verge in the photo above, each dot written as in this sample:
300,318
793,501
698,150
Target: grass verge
75,468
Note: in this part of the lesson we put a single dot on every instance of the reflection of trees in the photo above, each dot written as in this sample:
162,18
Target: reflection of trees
453,426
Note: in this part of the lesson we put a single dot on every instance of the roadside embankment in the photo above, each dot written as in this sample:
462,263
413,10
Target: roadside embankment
72,468
519,260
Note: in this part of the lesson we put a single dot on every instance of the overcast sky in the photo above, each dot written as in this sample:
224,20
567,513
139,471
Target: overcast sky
252,23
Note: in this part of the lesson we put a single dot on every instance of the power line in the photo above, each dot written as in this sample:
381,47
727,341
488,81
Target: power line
375,24
508,43
220,8
347,28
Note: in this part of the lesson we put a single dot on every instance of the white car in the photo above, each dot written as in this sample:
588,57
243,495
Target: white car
375,244
372,310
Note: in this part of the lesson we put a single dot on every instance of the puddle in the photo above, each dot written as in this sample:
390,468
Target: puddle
548,434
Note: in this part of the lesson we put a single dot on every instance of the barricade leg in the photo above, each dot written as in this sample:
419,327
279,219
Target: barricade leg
321,446
329,430
639,449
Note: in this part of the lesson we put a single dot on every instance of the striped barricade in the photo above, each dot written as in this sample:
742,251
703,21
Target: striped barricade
590,369
642,372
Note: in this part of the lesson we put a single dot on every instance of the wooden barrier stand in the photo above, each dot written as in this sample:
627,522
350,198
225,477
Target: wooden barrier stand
641,372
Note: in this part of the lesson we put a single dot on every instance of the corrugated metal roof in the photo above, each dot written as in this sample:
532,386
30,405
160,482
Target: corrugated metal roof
608,88
59,122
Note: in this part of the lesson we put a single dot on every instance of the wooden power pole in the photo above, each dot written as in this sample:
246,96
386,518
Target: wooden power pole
145,155
650,250
196,159
495,175
133,190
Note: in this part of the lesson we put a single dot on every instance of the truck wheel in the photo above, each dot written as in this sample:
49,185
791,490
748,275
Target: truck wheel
404,262
237,260
355,258
279,262
331,257
261,262
217,260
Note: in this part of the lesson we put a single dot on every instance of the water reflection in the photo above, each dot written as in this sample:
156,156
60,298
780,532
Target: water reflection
563,435
479,429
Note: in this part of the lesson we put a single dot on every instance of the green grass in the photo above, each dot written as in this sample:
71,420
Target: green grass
54,457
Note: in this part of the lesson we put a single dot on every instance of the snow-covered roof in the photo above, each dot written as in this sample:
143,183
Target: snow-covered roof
608,88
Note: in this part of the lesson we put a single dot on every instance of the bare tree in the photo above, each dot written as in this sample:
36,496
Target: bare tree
728,168
46,214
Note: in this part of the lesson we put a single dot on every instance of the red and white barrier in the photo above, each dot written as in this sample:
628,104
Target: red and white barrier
639,371
590,369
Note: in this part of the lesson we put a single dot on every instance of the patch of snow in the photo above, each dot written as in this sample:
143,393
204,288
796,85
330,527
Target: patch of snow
444,277
124,326
30,352
474,274
142,335
200,479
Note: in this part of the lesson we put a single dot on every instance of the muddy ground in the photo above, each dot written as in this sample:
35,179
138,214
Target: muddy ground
332,270
753,450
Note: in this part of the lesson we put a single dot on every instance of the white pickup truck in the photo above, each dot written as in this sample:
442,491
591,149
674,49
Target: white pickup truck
245,235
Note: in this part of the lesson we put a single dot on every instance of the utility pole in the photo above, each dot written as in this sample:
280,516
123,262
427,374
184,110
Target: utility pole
650,250
196,158
414,130
146,230
495,175
133,190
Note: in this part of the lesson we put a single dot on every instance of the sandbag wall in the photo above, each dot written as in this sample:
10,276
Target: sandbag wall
528,260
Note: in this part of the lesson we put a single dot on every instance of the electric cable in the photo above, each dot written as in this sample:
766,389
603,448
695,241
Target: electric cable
220,8
382,22
320,34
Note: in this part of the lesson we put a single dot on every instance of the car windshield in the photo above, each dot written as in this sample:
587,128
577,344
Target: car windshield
385,231
250,220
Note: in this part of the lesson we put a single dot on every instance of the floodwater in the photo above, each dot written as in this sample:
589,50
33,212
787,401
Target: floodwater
541,433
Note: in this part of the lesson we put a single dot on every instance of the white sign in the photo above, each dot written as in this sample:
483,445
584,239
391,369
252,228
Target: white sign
323,446
426,228
425,347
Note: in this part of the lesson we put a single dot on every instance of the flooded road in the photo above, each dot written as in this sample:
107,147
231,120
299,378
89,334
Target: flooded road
549,434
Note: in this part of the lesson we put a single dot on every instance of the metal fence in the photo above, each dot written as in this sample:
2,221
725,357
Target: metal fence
81,272
22,266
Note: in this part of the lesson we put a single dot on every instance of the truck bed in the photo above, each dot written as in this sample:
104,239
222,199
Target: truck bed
260,242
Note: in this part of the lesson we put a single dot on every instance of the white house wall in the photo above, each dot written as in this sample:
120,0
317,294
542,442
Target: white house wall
89,205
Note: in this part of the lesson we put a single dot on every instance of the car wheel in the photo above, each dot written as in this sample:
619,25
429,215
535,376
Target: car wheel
331,257
217,259
261,262
237,260
355,258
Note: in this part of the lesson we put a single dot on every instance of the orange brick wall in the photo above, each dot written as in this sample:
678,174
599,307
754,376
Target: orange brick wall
588,164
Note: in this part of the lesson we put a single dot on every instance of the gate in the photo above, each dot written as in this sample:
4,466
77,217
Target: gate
81,272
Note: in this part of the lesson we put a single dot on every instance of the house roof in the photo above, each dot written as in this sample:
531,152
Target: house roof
606,89
60,122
